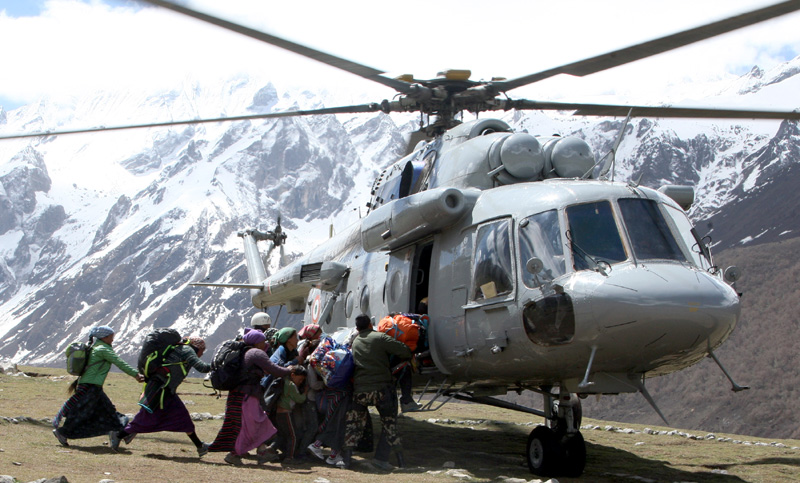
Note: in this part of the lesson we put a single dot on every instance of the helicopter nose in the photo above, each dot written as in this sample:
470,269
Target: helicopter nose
657,315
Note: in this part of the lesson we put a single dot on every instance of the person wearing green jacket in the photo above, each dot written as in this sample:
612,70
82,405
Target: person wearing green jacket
373,386
89,412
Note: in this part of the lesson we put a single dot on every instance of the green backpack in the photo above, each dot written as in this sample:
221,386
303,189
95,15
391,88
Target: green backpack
77,357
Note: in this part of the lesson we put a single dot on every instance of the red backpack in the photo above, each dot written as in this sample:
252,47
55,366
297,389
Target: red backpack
401,328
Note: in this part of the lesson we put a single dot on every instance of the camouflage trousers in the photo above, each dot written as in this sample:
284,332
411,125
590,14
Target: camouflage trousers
385,401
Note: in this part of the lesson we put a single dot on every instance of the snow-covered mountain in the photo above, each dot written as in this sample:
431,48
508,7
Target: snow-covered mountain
111,228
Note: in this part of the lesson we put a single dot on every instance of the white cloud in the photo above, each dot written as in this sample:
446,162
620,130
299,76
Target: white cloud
76,47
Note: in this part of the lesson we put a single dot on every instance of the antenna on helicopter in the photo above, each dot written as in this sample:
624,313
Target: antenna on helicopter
637,182
611,157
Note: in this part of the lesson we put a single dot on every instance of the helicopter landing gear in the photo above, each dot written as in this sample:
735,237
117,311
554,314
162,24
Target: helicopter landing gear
574,454
551,455
559,448
544,453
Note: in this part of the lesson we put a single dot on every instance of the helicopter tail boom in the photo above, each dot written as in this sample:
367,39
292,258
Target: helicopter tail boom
256,272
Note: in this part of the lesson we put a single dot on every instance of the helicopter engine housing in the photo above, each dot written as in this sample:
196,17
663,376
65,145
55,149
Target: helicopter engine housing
567,157
516,158
413,217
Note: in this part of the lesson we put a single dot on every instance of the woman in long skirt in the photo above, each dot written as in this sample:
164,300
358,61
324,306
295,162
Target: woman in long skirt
246,426
89,412
169,413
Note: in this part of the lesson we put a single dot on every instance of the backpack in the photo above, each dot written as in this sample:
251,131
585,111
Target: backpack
227,368
401,328
157,345
77,357
272,395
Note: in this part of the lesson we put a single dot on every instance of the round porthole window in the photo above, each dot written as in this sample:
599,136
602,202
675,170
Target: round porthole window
348,304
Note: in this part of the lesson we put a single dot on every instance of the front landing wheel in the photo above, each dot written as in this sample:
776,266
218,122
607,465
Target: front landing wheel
544,453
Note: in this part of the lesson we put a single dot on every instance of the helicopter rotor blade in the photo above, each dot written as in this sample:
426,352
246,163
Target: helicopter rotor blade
360,70
267,257
613,110
354,109
657,46
282,260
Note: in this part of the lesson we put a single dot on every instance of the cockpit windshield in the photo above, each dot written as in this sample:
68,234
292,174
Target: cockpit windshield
650,236
698,251
540,237
595,238
593,235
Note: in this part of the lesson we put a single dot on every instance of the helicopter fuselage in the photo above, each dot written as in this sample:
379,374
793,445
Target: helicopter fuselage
587,284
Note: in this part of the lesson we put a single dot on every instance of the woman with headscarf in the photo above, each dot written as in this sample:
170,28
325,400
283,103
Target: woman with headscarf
246,426
89,412
286,353
309,336
168,412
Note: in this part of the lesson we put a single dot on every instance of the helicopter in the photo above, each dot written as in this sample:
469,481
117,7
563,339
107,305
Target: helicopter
541,273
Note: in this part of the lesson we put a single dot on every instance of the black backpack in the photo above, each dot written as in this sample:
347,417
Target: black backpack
272,394
227,368
157,345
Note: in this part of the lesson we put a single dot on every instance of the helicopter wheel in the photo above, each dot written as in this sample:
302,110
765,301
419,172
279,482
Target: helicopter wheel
574,448
543,453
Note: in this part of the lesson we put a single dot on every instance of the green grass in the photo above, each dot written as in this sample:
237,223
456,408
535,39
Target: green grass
484,450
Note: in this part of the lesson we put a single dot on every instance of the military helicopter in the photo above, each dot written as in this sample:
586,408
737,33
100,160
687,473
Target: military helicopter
540,272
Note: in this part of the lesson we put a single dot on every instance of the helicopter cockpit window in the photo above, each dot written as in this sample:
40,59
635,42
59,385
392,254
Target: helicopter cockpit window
650,235
540,237
593,235
491,269
690,238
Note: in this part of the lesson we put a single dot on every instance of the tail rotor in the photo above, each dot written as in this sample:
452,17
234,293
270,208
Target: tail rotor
277,238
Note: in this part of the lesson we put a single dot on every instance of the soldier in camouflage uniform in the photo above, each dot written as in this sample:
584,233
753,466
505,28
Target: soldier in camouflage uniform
373,386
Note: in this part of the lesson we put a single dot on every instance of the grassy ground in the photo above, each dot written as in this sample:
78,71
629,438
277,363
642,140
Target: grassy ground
482,442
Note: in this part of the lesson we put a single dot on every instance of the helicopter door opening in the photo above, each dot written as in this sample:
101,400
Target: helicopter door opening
422,275
408,277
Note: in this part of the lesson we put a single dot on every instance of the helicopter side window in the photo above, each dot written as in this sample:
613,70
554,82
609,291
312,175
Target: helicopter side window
593,235
540,237
650,236
690,238
492,275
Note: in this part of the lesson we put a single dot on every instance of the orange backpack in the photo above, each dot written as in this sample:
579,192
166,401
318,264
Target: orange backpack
401,328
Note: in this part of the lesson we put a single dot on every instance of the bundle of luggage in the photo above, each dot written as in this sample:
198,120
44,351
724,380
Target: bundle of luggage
333,361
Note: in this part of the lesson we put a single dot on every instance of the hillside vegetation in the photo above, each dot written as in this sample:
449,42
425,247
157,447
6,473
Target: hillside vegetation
456,443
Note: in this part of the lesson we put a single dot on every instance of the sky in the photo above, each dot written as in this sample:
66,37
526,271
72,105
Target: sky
64,48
